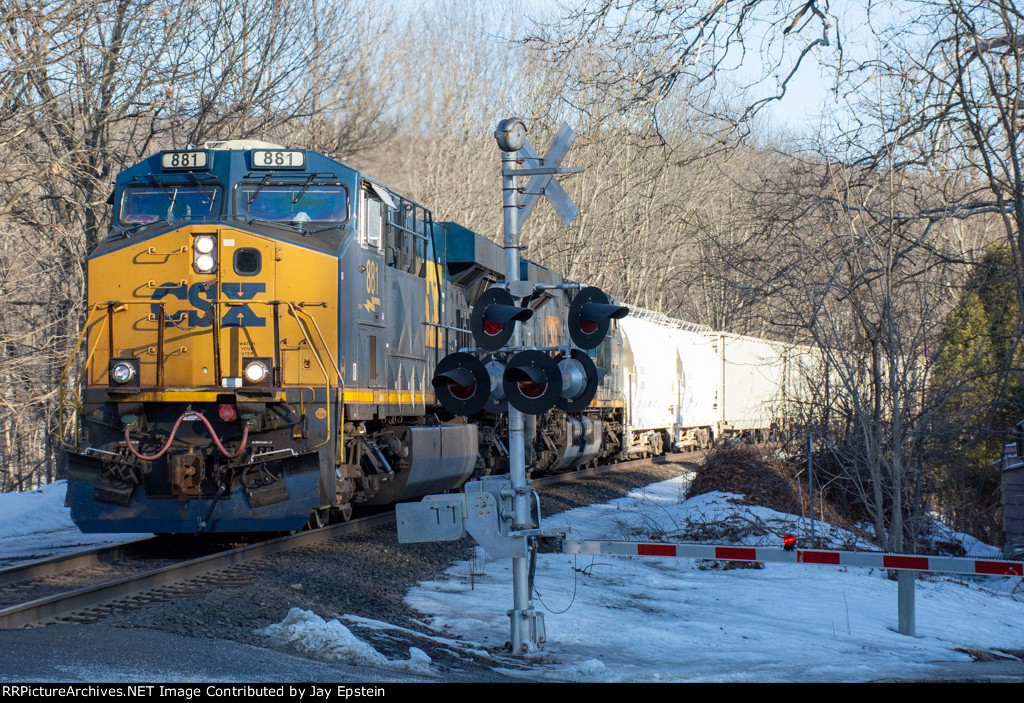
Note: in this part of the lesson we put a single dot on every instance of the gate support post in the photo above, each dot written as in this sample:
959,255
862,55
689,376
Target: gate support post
905,600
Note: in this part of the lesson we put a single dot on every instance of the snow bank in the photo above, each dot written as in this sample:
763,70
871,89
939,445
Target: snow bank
310,633
613,619
41,510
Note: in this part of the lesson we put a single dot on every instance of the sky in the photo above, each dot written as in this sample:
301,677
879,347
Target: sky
812,91
613,619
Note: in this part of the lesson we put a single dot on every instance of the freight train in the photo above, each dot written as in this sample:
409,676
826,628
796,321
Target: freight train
263,327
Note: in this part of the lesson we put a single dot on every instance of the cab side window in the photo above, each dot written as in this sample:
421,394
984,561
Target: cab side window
372,216
396,227
407,239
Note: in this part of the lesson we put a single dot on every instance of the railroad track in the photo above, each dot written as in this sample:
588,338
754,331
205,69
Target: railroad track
145,584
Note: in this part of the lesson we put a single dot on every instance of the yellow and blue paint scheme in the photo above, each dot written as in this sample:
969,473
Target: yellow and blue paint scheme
263,324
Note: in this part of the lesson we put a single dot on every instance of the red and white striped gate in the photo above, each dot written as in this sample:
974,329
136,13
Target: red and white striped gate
877,560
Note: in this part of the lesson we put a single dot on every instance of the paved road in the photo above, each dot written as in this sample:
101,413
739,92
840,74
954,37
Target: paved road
98,652
101,653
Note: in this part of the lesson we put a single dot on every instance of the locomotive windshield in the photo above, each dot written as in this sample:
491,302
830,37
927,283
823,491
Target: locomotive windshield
142,205
298,203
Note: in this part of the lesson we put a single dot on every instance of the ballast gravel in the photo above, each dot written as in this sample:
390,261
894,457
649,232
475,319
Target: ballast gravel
367,576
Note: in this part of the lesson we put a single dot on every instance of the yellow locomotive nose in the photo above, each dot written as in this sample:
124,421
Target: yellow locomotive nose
201,307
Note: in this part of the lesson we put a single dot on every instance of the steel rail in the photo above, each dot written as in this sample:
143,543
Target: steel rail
63,563
64,604
593,472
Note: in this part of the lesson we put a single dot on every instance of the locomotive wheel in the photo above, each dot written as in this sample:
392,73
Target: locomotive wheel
343,513
317,519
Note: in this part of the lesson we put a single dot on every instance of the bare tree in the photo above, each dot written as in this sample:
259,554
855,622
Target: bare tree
91,86
643,52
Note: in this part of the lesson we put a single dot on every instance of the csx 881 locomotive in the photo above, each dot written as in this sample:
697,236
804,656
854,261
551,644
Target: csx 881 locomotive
263,326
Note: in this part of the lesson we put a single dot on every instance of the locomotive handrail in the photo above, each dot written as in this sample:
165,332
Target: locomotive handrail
327,384
334,363
153,252
215,324
302,398
67,367
76,401
295,309
109,307
298,307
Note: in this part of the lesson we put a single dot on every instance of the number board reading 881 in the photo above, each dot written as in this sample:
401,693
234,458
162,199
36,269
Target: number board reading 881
183,159
278,159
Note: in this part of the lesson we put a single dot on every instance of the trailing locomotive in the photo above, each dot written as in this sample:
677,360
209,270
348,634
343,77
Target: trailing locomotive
263,327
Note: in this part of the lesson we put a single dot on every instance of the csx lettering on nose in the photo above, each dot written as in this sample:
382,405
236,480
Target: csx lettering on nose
198,295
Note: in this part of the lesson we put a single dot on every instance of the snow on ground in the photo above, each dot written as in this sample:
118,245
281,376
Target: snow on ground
663,619
310,633
36,525
651,619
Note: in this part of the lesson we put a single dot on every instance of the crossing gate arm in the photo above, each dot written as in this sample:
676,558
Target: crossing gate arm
874,560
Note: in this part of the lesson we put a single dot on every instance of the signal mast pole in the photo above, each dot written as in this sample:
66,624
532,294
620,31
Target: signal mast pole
526,623
497,512
512,133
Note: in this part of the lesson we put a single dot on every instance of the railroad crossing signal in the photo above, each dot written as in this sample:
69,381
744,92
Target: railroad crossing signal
590,316
580,379
494,318
515,379
543,180
461,384
532,381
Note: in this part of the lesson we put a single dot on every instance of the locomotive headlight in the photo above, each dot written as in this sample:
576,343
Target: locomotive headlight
204,244
256,371
124,375
204,259
204,263
122,372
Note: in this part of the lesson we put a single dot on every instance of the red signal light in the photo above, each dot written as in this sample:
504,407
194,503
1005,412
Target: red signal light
532,382
590,316
531,389
462,392
462,384
493,319
789,542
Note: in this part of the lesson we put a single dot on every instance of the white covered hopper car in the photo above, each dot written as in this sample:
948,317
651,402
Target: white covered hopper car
685,386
